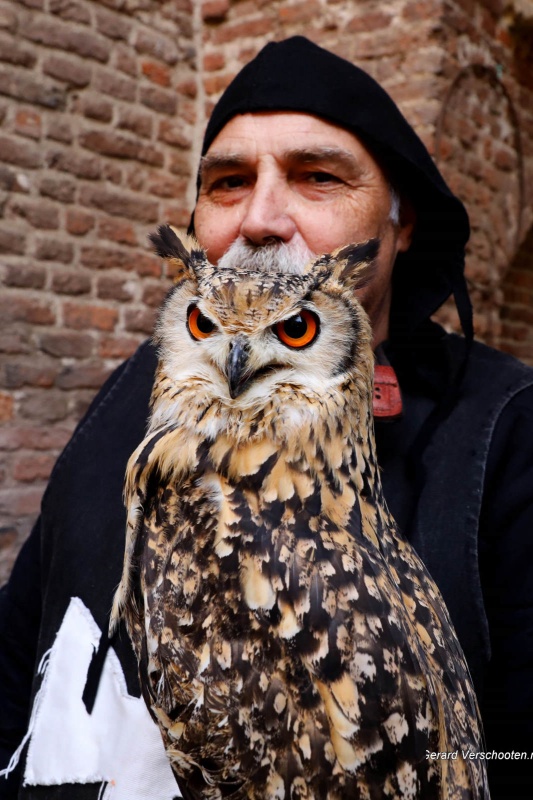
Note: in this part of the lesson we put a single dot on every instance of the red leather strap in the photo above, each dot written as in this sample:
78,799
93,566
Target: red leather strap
387,395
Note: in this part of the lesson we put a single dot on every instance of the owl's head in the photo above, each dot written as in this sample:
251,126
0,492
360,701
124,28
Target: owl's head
242,335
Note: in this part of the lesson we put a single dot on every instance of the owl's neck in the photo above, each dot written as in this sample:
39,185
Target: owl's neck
295,446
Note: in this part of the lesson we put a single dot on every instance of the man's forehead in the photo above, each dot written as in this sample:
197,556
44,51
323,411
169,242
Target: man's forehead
307,135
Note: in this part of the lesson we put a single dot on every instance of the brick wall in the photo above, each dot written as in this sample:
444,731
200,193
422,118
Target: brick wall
102,105
98,113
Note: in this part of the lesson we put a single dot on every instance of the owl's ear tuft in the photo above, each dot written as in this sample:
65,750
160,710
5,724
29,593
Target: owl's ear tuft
168,245
355,263
351,266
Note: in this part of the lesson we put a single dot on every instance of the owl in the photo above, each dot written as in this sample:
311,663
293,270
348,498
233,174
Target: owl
290,642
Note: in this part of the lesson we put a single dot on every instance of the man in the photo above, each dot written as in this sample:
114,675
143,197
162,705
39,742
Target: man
303,153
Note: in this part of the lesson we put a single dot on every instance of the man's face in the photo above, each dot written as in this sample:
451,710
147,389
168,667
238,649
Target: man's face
296,179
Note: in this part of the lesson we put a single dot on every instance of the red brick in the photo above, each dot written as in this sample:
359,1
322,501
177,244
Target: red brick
40,215
100,257
518,314
71,282
19,308
251,28
6,407
299,12
180,164
154,294
84,376
54,250
25,276
8,19
163,186
147,265
505,159
136,121
16,340
14,502
96,107
12,241
25,372
119,347
112,173
70,10
111,288
214,10
33,437
80,316
188,88
50,405
135,178
31,90
86,167
155,44
176,215
171,132
214,61
112,25
63,36
61,189
156,73
188,111
35,4
8,178
23,154
68,70
59,128
67,344
117,231
120,204
36,466
78,223
160,100
13,53
109,144
125,60
140,320
214,84
115,85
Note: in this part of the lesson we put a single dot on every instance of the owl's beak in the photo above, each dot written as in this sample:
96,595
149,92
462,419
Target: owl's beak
237,369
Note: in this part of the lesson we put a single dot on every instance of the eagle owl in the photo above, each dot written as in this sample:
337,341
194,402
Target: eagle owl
290,642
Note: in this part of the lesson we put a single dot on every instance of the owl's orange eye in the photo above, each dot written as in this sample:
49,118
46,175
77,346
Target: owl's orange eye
200,327
298,331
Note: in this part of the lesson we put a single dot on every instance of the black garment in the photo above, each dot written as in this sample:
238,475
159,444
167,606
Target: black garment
479,464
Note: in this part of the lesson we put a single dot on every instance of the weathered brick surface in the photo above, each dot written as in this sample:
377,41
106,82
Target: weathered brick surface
84,90
102,105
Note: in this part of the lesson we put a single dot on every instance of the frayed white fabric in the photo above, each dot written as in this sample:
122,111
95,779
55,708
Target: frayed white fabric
15,758
118,745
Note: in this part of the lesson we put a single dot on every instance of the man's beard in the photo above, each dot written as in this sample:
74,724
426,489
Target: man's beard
270,257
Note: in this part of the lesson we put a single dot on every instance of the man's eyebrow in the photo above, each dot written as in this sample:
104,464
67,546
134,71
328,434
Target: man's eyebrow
338,155
212,161
303,155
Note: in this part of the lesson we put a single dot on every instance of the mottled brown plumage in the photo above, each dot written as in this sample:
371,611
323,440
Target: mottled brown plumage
290,642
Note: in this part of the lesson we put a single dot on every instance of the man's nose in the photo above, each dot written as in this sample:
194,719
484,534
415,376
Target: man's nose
268,214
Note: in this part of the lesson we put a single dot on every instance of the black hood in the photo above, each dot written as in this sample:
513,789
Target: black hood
297,75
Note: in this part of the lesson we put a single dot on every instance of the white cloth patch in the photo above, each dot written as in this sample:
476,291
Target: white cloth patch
118,744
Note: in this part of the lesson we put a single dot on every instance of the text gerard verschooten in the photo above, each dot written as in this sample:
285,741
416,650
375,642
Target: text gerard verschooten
481,755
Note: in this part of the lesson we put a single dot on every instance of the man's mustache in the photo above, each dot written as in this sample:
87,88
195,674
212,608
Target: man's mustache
273,256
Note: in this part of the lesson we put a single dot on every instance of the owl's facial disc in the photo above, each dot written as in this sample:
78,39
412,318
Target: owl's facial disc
295,333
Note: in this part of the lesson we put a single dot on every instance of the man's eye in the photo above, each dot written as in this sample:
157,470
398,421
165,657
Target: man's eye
322,177
228,182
